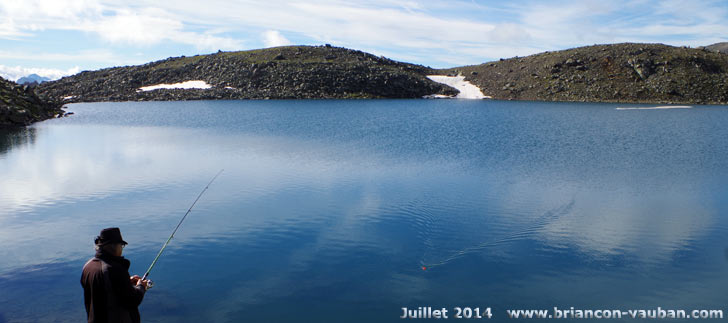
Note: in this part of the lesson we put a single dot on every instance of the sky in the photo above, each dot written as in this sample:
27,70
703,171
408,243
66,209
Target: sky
54,38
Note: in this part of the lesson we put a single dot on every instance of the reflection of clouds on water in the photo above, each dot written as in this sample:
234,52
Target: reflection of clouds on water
346,228
112,161
610,218
651,228
120,161
51,187
125,159
143,178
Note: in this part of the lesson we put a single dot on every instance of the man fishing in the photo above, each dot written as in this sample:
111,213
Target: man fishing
110,294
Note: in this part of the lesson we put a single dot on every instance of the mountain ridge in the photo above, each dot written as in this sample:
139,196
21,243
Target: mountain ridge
626,72
288,72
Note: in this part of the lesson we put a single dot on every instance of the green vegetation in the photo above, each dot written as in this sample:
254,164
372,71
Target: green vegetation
178,62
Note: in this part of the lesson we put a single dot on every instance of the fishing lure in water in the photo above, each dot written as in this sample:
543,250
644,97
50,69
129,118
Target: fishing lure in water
150,283
539,223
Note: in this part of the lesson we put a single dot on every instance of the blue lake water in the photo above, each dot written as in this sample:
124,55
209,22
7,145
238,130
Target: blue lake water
327,210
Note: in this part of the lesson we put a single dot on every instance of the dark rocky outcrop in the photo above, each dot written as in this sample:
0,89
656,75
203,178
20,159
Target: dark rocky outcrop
291,72
20,106
653,73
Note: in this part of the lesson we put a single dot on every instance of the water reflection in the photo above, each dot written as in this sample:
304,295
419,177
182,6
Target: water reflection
327,210
649,228
16,137
148,176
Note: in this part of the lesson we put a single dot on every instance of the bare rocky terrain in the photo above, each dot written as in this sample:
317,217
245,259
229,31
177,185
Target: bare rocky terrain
645,73
291,72
718,47
20,106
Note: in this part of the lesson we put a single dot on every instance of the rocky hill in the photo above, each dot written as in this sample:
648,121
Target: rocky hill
19,105
653,73
300,72
718,47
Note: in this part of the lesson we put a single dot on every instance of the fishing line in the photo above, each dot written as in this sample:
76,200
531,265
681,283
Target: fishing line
177,227
539,223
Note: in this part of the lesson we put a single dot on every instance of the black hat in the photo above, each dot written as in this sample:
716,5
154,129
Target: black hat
109,235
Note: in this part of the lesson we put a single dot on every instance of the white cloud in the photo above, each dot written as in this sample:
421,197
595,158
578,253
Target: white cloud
578,23
273,38
698,12
96,56
386,26
207,42
145,27
125,24
419,28
509,33
24,17
150,26
470,32
8,28
13,73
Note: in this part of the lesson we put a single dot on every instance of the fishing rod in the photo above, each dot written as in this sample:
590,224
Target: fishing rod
149,284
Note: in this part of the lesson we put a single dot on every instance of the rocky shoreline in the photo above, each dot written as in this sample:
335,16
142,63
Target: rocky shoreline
20,106
627,73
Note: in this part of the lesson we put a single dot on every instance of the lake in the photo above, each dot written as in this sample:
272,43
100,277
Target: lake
327,210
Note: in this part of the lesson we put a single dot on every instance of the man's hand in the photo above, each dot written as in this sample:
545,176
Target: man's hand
134,279
141,282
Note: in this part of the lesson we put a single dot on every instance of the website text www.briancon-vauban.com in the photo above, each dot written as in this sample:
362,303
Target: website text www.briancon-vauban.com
573,313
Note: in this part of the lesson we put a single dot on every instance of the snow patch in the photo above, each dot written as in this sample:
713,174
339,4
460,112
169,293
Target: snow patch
183,85
657,108
467,89
437,96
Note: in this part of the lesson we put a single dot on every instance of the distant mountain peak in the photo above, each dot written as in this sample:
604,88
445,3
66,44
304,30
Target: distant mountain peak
32,78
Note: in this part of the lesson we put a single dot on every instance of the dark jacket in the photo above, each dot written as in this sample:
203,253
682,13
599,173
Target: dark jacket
109,295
